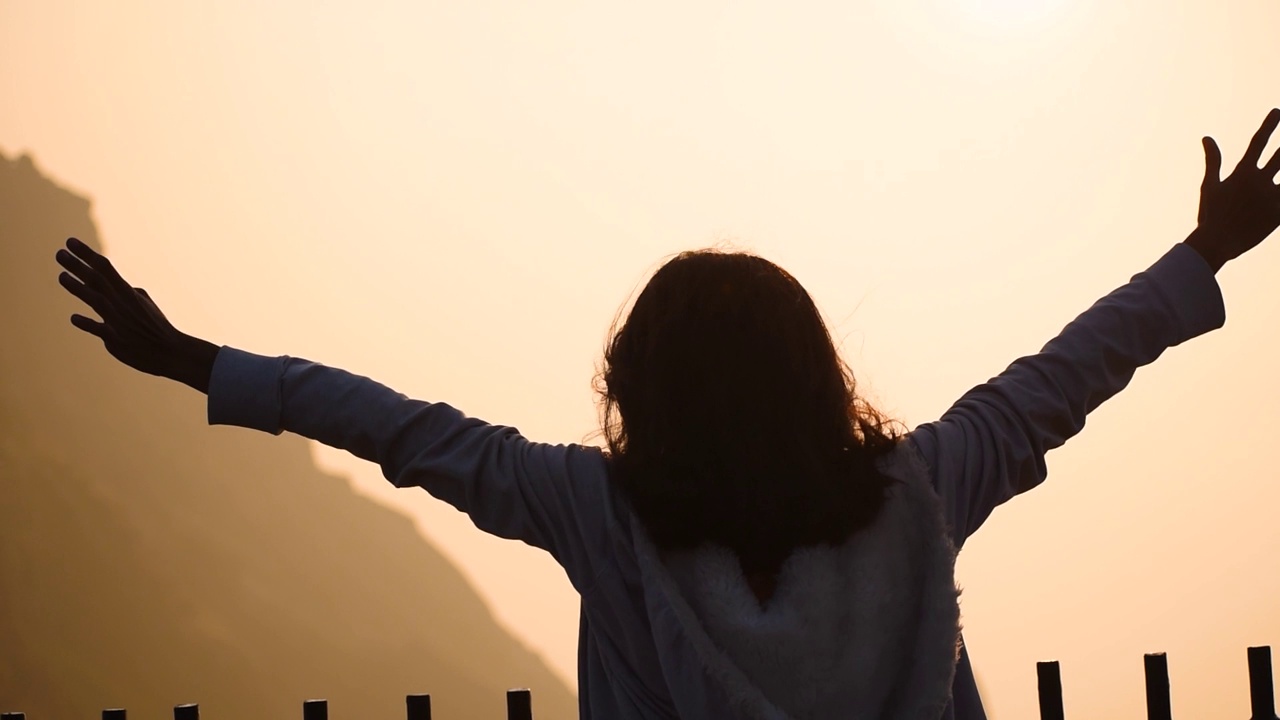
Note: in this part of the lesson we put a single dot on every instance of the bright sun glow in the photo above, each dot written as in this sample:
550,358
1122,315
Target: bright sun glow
1006,15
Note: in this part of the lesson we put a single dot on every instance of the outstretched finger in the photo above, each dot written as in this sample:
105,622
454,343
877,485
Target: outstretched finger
107,334
104,267
91,326
1212,162
1273,166
89,296
81,271
1260,138
102,277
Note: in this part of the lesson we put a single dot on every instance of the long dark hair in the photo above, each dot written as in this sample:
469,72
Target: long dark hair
730,417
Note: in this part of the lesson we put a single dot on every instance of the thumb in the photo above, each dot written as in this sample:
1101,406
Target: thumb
148,303
1212,162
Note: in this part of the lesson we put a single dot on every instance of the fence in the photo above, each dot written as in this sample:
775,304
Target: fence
520,705
1261,690
417,707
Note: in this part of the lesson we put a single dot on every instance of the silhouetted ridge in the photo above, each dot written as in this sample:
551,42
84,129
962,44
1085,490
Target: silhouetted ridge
147,559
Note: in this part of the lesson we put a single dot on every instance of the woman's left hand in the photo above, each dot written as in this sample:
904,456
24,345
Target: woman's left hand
133,329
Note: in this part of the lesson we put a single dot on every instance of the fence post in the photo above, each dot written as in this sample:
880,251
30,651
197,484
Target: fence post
519,705
1157,669
418,707
113,714
190,711
315,710
1262,695
1050,682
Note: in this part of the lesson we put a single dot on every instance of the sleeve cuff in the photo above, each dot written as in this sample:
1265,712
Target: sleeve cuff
1187,284
244,390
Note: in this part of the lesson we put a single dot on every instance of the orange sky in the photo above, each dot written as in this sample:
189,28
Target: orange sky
457,199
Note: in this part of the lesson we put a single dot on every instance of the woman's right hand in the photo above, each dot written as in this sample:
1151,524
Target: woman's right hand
1238,213
133,329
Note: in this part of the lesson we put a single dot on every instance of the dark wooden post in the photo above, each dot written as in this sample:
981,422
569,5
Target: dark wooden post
190,711
418,706
519,705
113,714
1262,694
1050,680
1157,667
315,710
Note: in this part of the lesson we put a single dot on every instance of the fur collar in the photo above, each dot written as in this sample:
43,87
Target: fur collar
869,629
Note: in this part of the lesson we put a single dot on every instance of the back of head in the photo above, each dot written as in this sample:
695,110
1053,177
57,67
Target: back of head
730,417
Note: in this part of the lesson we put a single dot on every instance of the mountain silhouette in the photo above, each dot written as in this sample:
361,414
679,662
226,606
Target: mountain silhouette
148,559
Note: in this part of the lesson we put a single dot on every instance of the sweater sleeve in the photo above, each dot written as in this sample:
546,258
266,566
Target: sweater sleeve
991,444
549,496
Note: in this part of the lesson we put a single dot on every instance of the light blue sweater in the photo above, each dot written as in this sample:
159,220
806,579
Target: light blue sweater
632,661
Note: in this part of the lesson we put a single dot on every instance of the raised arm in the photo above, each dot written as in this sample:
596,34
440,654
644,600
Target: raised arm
990,445
550,496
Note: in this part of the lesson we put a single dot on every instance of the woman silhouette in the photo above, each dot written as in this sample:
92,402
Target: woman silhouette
755,542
